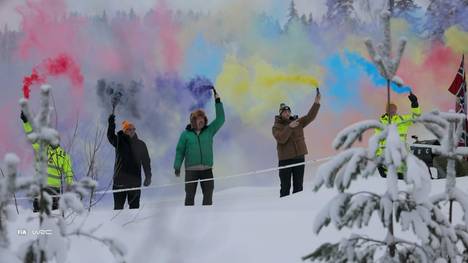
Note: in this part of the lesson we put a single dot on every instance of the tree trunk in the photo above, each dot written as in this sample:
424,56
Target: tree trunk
391,5
388,102
392,246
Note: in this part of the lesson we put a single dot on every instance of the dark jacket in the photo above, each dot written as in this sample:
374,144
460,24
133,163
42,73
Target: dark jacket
197,149
290,141
130,155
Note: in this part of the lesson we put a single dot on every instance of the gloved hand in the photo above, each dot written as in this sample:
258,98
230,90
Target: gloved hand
147,181
23,117
216,95
68,188
177,172
111,119
294,124
317,98
414,100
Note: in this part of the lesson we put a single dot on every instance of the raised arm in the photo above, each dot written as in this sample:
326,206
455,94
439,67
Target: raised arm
220,118
313,111
28,129
111,131
415,109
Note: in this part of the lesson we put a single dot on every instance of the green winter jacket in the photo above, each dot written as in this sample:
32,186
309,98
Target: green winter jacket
198,149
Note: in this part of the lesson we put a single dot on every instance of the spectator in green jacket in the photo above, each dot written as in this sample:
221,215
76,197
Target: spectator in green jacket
196,148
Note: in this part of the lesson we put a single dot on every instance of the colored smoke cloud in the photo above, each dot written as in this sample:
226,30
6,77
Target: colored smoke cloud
62,65
200,88
254,61
124,98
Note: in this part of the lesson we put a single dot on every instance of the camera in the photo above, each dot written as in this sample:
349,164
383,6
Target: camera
294,117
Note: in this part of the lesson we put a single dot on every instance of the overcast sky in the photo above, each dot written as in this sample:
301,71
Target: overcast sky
276,8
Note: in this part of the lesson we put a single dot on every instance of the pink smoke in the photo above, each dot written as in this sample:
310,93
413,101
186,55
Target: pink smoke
48,29
167,32
62,65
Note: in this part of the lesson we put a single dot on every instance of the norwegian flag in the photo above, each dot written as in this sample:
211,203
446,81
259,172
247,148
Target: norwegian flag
458,88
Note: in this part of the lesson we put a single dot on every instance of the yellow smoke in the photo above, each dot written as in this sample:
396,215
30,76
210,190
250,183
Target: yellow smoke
291,79
457,39
254,88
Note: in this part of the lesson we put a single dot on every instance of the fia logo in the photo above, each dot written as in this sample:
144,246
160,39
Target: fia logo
22,232
40,232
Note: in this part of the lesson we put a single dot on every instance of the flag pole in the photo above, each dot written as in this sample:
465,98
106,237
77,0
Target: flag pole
459,107
464,99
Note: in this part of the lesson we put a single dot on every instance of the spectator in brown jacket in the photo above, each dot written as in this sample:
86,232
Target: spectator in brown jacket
288,131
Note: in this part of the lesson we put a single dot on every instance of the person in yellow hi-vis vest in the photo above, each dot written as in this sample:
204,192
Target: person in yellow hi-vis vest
59,168
403,123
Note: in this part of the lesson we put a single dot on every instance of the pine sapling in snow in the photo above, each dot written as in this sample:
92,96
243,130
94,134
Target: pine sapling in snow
409,206
55,246
448,128
7,189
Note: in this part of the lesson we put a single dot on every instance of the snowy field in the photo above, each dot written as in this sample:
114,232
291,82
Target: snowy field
245,224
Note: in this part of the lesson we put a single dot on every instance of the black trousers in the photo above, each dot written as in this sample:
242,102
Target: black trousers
133,198
206,186
383,172
55,200
296,173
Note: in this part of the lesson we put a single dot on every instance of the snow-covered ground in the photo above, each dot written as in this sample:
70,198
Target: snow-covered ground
245,224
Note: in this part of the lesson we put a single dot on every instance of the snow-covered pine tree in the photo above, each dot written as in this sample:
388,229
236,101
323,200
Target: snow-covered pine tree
410,206
381,55
310,19
304,19
448,128
293,17
312,25
440,15
406,9
341,15
55,246
292,12
7,189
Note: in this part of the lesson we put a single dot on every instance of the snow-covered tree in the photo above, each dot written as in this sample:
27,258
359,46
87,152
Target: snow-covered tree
7,189
410,206
406,9
381,55
448,129
341,15
440,15
55,246
292,12
294,20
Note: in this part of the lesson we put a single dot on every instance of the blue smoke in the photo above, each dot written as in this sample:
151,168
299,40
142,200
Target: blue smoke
203,58
373,73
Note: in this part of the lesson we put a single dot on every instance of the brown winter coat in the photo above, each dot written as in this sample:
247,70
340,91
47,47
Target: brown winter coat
290,141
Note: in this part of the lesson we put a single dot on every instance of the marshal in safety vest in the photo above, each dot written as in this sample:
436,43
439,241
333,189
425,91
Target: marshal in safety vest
403,122
59,163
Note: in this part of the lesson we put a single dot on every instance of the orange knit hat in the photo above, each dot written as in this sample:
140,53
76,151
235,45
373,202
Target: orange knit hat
127,125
